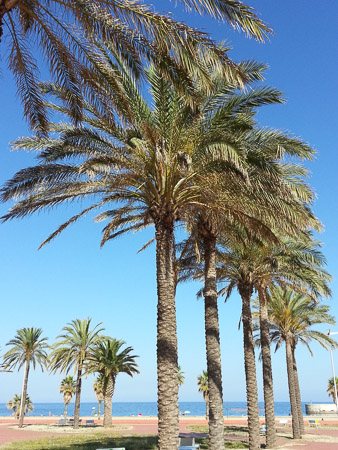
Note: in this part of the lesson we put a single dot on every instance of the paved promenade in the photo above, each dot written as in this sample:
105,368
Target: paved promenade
325,437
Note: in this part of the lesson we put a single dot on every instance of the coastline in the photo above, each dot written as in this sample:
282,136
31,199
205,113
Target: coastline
30,420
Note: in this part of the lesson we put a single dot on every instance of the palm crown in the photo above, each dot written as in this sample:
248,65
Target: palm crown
27,346
63,31
74,347
110,359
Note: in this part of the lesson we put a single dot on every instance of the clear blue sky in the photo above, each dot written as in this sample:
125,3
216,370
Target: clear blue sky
73,278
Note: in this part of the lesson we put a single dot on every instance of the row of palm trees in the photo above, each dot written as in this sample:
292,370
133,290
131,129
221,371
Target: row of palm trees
209,167
82,348
193,156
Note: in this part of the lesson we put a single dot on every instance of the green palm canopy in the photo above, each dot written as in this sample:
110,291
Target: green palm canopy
73,349
64,30
109,358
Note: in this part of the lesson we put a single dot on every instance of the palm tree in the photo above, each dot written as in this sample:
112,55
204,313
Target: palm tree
134,30
109,359
28,348
15,405
263,159
98,389
331,390
181,376
68,388
292,316
150,166
202,383
73,349
294,262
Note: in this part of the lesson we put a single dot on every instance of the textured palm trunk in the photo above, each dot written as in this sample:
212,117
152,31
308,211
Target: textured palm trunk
213,349
267,370
77,398
23,395
66,410
250,369
297,392
292,392
167,371
108,392
207,409
99,411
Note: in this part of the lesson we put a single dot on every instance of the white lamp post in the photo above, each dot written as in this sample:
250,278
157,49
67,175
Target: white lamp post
333,373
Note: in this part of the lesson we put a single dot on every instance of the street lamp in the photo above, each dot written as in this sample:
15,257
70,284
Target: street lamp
334,376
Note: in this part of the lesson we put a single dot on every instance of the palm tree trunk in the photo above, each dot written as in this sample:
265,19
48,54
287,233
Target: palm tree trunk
207,409
292,393
250,369
24,394
99,411
66,410
77,398
108,392
167,364
267,370
297,392
213,349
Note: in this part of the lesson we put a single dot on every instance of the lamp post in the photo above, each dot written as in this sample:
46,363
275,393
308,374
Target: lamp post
333,373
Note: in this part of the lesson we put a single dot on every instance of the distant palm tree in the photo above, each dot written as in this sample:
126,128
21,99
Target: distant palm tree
27,348
68,388
15,405
181,376
98,389
202,383
292,317
330,389
73,349
109,359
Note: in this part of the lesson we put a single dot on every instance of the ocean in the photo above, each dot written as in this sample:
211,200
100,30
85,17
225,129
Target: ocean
147,409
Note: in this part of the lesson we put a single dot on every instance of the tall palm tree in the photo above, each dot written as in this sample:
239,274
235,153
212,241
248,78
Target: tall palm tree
331,390
263,159
292,316
134,29
68,388
28,348
294,262
15,405
202,383
109,358
150,166
98,389
73,350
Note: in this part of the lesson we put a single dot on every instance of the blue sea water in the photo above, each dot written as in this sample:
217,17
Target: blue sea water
147,409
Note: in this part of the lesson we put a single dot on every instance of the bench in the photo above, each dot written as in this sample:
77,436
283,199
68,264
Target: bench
188,443
314,423
90,422
188,447
71,421
283,422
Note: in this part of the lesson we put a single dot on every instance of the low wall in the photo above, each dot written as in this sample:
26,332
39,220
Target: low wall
320,408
